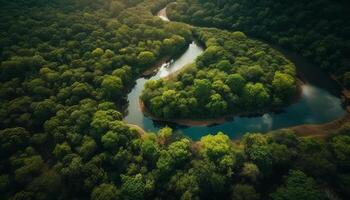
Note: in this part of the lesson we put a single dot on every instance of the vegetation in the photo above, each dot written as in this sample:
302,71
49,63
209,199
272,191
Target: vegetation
233,75
318,29
66,66
118,164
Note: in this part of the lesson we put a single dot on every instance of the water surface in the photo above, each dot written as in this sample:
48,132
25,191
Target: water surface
134,114
319,101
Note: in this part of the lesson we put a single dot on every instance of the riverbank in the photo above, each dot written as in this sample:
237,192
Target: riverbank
138,129
152,70
183,122
313,93
209,122
321,130
305,130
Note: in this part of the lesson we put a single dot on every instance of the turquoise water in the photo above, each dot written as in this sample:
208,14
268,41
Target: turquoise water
319,102
134,114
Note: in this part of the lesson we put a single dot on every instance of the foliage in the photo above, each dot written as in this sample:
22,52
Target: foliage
318,29
298,186
66,67
233,75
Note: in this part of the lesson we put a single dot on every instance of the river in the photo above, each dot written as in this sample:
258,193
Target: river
319,101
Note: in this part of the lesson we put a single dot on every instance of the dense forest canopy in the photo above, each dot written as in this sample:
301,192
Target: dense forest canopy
66,67
234,75
317,29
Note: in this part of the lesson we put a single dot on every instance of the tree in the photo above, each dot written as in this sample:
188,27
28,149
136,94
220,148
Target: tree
216,105
88,147
180,151
133,187
186,78
281,155
80,90
236,82
164,135
165,163
283,85
44,110
97,52
298,186
12,140
20,66
255,96
340,146
211,55
146,58
250,171
116,7
71,170
61,150
215,147
169,98
110,140
314,158
46,185
244,192
112,87
252,73
224,65
29,168
156,106
221,88
94,175
258,151
202,88
211,179
150,150
105,192
185,185
239,35
124,73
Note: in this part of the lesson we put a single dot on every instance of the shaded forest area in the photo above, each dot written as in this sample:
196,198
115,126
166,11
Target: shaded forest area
66,67
318,29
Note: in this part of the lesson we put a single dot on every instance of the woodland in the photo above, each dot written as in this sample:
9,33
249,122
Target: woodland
67,66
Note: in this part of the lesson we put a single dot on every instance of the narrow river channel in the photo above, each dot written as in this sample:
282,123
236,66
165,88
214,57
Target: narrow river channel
319,102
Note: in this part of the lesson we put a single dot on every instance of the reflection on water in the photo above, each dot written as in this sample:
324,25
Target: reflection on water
134,114
164,18
319,101
188,57
316,105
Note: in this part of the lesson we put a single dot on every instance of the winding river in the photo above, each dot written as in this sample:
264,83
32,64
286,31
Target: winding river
319,101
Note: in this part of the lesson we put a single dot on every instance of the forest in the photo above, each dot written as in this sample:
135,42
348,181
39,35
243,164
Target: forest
67,66
233,75
317,29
